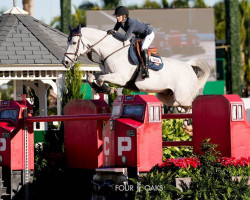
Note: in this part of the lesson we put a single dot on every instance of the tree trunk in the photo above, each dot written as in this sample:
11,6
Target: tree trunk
233,40
28,5
65,15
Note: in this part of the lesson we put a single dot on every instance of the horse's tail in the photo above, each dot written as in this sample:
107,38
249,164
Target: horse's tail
202,71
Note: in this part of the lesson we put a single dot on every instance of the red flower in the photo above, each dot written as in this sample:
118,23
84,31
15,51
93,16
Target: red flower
182,162
235,162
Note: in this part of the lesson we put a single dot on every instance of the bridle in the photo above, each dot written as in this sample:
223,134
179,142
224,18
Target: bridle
77,48
90,49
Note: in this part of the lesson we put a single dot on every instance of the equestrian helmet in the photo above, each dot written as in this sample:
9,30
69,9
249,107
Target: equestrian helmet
121,10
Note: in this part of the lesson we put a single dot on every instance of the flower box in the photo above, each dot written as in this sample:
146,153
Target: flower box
238,178
179,181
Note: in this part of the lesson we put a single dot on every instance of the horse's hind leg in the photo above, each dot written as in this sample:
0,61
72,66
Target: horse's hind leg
168,98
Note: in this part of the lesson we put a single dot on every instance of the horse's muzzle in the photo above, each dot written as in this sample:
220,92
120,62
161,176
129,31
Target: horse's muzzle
65,63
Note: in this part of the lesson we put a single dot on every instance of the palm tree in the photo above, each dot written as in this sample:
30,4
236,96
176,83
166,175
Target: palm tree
200,4
164,3
220,21
79,17
179,4
88,5
111,4
150,4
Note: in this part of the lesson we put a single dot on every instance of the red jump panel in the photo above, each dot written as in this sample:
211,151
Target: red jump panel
133,137
83,139
12,135
223,119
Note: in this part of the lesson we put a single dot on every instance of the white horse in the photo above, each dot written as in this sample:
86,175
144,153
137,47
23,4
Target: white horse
176,84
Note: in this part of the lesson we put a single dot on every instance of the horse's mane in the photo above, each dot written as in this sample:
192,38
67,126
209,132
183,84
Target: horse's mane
94,30
96,33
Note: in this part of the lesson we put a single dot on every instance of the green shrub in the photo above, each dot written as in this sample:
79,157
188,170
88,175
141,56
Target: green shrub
172,131
211,177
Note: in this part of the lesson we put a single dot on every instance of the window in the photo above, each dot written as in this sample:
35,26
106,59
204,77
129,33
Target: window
237,112
133,110
9,114
116,110
157,113
154,114
151,113
234,112
240,115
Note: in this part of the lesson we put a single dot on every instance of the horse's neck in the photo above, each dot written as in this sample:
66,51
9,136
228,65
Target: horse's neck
107,45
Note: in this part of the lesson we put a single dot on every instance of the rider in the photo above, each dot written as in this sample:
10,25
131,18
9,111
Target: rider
141,30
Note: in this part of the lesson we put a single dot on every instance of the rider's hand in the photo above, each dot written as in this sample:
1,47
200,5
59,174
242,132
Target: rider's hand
110,32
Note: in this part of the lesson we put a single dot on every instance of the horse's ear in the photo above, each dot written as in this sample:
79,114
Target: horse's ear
70,28
79,27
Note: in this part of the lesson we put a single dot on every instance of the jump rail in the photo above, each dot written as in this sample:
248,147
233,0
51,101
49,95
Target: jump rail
106,116
177,116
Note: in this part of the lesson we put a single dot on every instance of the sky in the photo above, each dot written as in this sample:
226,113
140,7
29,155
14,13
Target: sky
46,10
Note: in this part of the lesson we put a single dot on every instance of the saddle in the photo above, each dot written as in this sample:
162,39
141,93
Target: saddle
135,54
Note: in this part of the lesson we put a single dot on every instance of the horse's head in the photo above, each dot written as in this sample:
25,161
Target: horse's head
75,47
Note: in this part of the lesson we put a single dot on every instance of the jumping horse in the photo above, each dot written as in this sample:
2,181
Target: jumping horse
176,84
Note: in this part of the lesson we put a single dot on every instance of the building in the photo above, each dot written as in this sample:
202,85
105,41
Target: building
30,56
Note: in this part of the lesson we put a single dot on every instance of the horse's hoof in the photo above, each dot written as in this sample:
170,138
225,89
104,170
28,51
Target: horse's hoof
100,80
99,83
90,78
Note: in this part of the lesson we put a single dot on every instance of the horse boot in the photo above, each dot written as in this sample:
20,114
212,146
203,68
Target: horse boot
96,87
103,89
145,57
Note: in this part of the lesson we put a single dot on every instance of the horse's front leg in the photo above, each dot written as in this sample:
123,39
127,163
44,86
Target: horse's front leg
115,78
90,78
98,89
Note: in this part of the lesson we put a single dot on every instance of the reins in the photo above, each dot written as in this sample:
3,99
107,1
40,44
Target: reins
89,54
115,52
91,46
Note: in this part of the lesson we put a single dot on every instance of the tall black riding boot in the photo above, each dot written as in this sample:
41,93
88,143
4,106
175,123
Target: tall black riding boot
145,57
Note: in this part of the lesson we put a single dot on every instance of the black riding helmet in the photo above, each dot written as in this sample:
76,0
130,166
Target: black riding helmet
121,10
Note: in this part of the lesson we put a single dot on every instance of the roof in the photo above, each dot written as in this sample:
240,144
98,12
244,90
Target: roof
15,10
26,40
232,98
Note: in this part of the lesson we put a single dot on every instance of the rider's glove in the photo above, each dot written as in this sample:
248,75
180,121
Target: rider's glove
110,32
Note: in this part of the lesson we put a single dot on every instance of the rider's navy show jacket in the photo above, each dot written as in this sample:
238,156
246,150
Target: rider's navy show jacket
131,25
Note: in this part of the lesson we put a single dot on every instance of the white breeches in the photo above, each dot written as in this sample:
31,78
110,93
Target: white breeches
148,40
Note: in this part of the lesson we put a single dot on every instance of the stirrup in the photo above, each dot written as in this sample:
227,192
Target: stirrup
145,73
